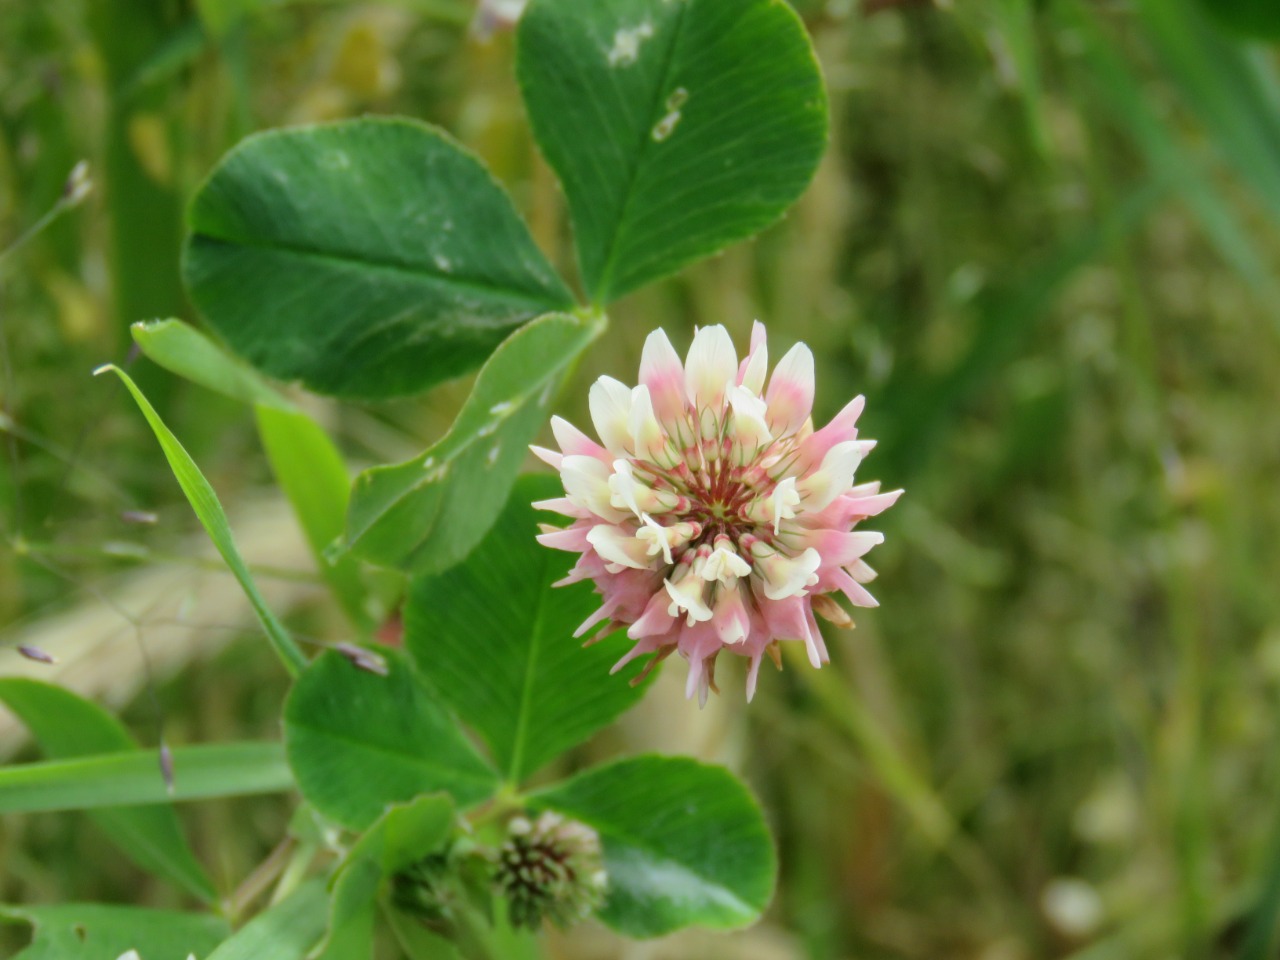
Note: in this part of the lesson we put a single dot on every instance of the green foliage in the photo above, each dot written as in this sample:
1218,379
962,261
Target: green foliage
68,726
305,461
496,642
126,779
285,931
207,508
676,128
91,931
1256,19
358,741
312,475
1232,94
182,349
402,835
426,515
383,257
684,843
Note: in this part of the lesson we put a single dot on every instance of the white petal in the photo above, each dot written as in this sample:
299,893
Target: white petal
687,595
616,546
711,366
750,429
754,369
833,478
786,576
586,484
662,539
785,499
646,432
725,565
610,403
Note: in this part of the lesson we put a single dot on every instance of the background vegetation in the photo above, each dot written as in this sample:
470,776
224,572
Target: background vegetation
1043,243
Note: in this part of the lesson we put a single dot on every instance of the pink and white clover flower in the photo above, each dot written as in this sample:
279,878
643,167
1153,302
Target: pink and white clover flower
712,516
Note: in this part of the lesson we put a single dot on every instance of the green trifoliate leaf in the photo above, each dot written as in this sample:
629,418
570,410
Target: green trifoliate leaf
677,127
369,258
496,640
684,843
359,741
426,515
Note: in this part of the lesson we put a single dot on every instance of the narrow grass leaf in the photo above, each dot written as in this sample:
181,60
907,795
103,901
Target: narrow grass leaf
286,931
305,462
206,506
1221,85
129,778
68,726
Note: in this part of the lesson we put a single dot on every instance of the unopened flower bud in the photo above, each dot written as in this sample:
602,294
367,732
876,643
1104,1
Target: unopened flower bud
550,869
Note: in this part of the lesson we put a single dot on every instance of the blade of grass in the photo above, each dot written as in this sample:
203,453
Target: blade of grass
134,777
1221,84
287,931
1009,316
306,463
205,503
1117,90
68,726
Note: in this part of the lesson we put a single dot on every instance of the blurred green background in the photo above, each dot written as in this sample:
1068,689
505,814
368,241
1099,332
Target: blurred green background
1043,243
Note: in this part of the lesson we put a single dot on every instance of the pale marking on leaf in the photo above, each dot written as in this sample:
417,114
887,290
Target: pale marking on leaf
626,44
667,125
492,458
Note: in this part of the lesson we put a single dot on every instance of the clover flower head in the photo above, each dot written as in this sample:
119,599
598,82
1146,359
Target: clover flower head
713,516
550,868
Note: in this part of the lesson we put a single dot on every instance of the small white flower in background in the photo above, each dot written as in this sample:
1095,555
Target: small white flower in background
133,955
78,185
494,15
714,517
1073,906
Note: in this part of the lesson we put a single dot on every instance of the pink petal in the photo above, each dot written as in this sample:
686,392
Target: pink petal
839,548
562,506
663,374
573,442
790,395
573,539
549,457
843,426
855,591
